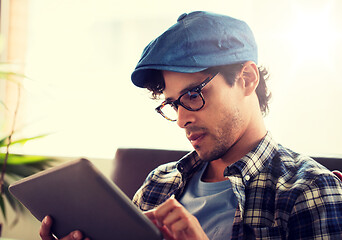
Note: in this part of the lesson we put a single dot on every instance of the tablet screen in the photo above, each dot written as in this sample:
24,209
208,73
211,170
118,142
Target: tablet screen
78,197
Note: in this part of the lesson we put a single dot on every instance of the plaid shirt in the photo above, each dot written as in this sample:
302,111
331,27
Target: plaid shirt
281,194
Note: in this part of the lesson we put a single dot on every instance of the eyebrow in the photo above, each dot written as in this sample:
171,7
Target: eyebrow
188,88
181,92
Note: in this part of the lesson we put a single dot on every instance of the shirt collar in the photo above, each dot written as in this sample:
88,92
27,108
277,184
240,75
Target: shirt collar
256,160
248,166
188,164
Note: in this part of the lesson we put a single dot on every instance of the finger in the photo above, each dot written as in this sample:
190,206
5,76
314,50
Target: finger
177,214
174,219
45,229
166,233
181,229
75,235
150,214
164,209
186,227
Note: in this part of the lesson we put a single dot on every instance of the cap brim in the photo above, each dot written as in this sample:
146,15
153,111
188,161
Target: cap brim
141,75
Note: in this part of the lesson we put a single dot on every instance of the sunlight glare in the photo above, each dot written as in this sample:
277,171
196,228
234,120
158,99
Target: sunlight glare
313,34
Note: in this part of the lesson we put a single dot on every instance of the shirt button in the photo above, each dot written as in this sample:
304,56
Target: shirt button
247,177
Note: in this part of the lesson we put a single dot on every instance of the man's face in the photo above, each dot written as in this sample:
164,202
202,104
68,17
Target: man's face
215,128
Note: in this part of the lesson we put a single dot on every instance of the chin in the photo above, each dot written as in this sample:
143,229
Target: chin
208,156
211,155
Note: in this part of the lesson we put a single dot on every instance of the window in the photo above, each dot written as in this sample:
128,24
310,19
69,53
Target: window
80,55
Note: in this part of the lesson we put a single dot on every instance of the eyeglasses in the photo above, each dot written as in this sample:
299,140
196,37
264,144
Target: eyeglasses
191,100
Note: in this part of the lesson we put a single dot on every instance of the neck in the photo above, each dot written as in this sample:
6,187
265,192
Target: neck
246,142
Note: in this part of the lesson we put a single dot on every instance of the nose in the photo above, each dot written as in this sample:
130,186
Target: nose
185,117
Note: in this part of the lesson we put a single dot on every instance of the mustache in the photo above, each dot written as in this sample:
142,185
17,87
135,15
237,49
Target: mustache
193,129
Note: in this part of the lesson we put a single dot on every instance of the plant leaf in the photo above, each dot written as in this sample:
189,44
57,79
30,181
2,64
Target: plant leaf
7,75
15,204
3,104
20,171
2,206
16,159
3,141
24,140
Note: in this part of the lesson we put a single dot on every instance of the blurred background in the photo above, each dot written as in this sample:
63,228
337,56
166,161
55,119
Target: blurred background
79,55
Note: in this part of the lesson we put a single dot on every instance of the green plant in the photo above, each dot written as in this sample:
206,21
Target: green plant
15,166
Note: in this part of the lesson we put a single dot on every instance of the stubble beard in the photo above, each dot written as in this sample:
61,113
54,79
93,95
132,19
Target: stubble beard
219,150
225,138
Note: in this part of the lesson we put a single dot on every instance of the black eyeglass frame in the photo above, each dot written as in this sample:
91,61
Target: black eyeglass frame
177,102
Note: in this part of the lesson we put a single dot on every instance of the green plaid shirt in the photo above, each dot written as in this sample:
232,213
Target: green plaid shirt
281,194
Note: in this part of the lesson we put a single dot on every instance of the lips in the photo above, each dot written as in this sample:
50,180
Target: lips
195,138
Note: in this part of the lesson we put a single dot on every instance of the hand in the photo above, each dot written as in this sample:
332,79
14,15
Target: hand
175,222
45,232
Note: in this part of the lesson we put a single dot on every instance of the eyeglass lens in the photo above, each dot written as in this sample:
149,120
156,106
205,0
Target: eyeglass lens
191,100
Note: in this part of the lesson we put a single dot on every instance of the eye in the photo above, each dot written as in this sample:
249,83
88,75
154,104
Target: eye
193,95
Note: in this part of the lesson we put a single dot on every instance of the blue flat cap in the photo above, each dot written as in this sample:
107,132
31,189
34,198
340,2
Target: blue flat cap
199,40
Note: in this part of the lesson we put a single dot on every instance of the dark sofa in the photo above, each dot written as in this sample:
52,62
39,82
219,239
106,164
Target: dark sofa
131,165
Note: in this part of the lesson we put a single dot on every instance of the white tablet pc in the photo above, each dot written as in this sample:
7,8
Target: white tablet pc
78,197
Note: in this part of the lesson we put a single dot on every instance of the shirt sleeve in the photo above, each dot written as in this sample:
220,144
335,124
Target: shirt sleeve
138,199
317,213
158,186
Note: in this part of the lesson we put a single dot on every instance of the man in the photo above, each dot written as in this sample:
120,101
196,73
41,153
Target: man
238,183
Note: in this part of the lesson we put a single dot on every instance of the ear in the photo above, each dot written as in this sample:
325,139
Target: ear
250,76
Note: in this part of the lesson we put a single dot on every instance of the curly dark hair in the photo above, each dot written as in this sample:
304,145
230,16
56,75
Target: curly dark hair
230,72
